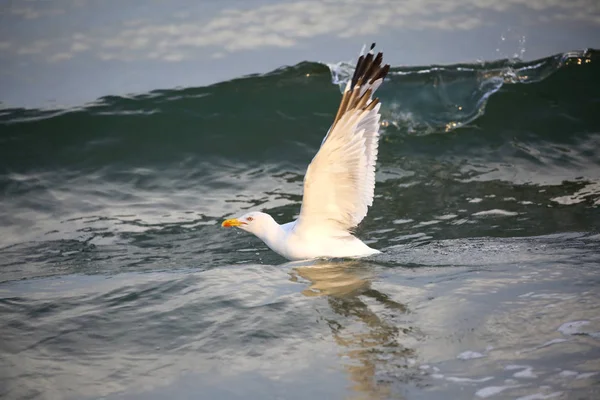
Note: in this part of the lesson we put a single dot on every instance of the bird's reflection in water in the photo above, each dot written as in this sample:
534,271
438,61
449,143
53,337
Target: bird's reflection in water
366,324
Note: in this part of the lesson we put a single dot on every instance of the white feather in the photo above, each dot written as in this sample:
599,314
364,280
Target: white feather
340,181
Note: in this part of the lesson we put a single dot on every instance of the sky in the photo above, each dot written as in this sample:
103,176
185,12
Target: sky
57,53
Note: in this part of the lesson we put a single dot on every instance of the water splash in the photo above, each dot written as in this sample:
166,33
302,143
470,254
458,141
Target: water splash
511,45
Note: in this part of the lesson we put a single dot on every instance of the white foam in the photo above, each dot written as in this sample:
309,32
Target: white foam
495,211
475,200
425,223
527,294
540,396
385,356
447,217
580,196
551,342
586,375
558,296
573,327
512,367
566,373
459,379
526,373
469,355
493,390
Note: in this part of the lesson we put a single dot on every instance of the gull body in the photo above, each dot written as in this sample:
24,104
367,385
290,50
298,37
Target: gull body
339,183
297,244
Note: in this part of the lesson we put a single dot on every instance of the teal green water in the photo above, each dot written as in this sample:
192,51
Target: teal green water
118,282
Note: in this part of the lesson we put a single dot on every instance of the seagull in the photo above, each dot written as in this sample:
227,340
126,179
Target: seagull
339,183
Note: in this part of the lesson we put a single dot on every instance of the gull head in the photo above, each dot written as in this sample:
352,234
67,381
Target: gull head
254,222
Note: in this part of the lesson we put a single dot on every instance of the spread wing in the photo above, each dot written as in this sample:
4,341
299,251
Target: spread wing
340,181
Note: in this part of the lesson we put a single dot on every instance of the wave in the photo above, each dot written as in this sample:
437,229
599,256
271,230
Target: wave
535,114
432,99
451,95
251,119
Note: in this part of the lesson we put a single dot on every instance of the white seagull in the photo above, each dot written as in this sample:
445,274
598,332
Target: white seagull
340,181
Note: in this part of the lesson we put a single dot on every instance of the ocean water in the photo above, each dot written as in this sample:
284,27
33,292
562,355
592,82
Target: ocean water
117,281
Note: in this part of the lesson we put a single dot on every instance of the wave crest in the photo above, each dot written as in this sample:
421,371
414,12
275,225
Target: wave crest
433,99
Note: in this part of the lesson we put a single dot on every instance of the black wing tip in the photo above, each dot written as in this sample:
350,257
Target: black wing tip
382,73
369,68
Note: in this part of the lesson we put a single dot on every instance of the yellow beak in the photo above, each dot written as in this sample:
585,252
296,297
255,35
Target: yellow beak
228,223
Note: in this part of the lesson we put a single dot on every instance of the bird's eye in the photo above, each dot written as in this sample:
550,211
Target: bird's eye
249,219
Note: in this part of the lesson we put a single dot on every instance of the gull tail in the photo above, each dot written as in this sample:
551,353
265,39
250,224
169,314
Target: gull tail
368,76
